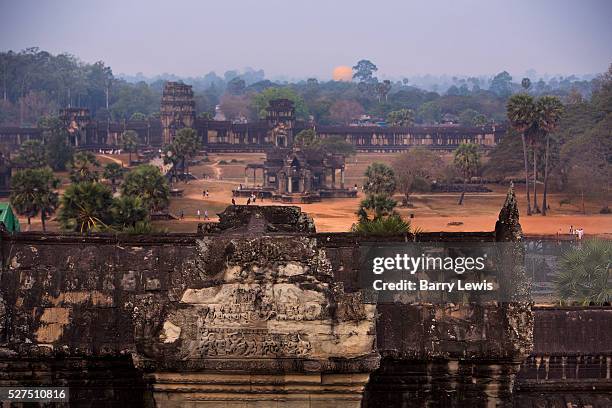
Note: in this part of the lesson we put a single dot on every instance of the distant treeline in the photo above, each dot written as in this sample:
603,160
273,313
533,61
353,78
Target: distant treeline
35,83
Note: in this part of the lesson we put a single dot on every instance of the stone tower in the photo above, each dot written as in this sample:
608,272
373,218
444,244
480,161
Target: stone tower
177,109
281,121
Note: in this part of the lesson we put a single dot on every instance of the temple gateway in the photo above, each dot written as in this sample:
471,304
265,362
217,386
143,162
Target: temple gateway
292,173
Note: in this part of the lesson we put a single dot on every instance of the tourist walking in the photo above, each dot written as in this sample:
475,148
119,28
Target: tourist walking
198,214
206,215
233,201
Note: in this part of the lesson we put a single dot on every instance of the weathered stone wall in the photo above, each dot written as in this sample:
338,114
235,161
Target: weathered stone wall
260,310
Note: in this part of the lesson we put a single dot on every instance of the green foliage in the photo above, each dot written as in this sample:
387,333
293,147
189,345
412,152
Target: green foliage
305,138
521,111
129,143
86,207
138,117
466,159
113,172
430,113
468,117
128,212
502,84
380,179
147,182
186,145
402,117
382,226
58,151
382,205
260,101
33,192
32,154
585,273
83,167
364,70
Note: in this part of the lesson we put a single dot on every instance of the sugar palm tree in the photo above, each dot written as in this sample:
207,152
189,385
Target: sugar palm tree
402,117
467,161
129,143
381,204
113,172
33,192
147,182
82,167
187,144
585,273
549,111
128,211
85,207
521,114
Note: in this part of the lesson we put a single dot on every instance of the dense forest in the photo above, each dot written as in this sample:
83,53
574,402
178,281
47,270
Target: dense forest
35,83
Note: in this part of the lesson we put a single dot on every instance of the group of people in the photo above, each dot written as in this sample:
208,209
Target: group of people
111,151
251,199
576,232
198,214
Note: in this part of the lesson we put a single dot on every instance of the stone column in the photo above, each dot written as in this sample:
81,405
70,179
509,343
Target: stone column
246,176
333,178
289,184
342,178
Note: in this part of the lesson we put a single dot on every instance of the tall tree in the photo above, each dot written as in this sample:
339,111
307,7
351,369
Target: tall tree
380,180
364,70
113,172
83,167
549,111
128,211
467,160
401,117
415,170
147,182
33,192
526,84
521,114
86,207
129,143
32,154
187,144
343,111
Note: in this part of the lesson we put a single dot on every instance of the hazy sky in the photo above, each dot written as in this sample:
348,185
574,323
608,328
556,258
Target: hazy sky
310,37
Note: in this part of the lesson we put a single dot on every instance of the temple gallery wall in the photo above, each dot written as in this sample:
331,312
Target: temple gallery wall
259,310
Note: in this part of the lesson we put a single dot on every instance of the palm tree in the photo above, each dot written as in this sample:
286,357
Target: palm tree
86,207
32,154
391,225
129,143
113,172
128,211
147,182
380,179
33,192
520,111
549,111
585,272
82,167
381,204
402,117
467,160
187,144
